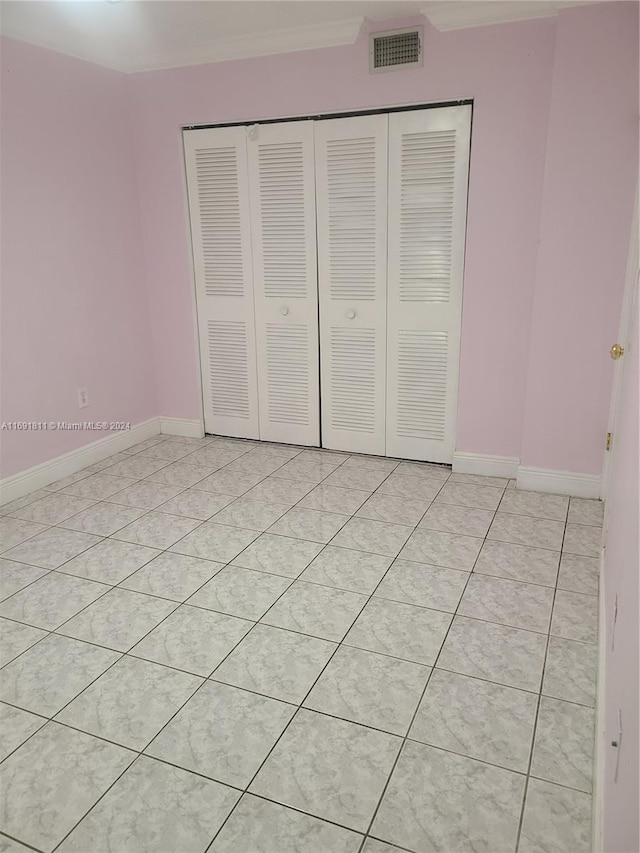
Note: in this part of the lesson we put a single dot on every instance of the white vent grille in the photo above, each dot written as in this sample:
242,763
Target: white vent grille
427,176
395,49
219,207
228,368
351,179
422,384
353,379
283,219
287,374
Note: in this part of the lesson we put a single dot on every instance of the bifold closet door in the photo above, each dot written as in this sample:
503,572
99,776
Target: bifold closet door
351,194
217,180
428,169
283,233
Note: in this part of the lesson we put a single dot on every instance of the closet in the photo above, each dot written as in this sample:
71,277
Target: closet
328,258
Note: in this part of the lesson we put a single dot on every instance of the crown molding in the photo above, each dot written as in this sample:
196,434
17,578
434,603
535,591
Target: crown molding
446,15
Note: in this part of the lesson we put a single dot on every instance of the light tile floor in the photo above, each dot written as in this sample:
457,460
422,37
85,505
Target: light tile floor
226,646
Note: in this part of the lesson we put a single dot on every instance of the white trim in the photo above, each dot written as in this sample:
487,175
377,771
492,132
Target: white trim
22,483
187,427
470,13
597,819
559,482
487,466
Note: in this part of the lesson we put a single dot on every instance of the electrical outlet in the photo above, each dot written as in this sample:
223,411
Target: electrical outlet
83,398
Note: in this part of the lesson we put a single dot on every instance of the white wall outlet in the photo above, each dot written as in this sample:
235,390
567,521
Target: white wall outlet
83,398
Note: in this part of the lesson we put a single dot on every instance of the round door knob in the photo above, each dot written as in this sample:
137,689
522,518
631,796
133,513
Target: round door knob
616,352
351,314
284,310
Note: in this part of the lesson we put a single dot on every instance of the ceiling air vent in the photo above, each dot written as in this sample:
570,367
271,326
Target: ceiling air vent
395,49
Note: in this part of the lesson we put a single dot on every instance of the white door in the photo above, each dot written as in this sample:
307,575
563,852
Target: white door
283,232
428,169
351,194
216,164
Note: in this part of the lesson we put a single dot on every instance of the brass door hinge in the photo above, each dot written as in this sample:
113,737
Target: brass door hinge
609,441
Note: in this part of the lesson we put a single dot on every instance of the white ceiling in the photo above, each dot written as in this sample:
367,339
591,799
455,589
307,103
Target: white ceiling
139,35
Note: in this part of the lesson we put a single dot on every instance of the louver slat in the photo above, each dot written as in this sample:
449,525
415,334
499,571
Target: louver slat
287,374
353,369
228,366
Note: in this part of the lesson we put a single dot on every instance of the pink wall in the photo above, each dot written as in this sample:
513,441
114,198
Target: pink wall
507,70
74,309
589,185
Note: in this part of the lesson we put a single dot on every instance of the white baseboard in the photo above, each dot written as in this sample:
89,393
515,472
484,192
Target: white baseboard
559,482
487,466
22,483
182,426
597,811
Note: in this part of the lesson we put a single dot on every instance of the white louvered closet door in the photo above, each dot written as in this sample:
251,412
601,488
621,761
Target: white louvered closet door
283,226
216,163
428,169
351,182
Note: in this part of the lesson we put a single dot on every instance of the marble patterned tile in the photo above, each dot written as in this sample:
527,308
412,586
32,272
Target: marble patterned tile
52,548
393,509
471,805
380,464
583,511
479,480
413,488
173,576
571,671
182,474
213,457
278,555
329,768
25,500
157,530
309,524
145,495
320,611
582,539
154,441
400,630
535,504
226,482
248,464
131,702
579,574
192,639
223,732
520,605
273,450
507,656
563,747
50,674
442,549
305,470
555,820
368,688
361,479
314,454
241,592
276,663
58,774
16,726
98,487
118,620
254,515
334,499
344,568
518,563
423,585
276,490
53,509
213,541
154,807
478,719
103,518
15,638
375,537
137,467
8,845
457,519
526,530
50,601
98,467
424,470
110,561
170,451
15,576
468,494
372,845
265,827
575,616
14,532
62,483
193,503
